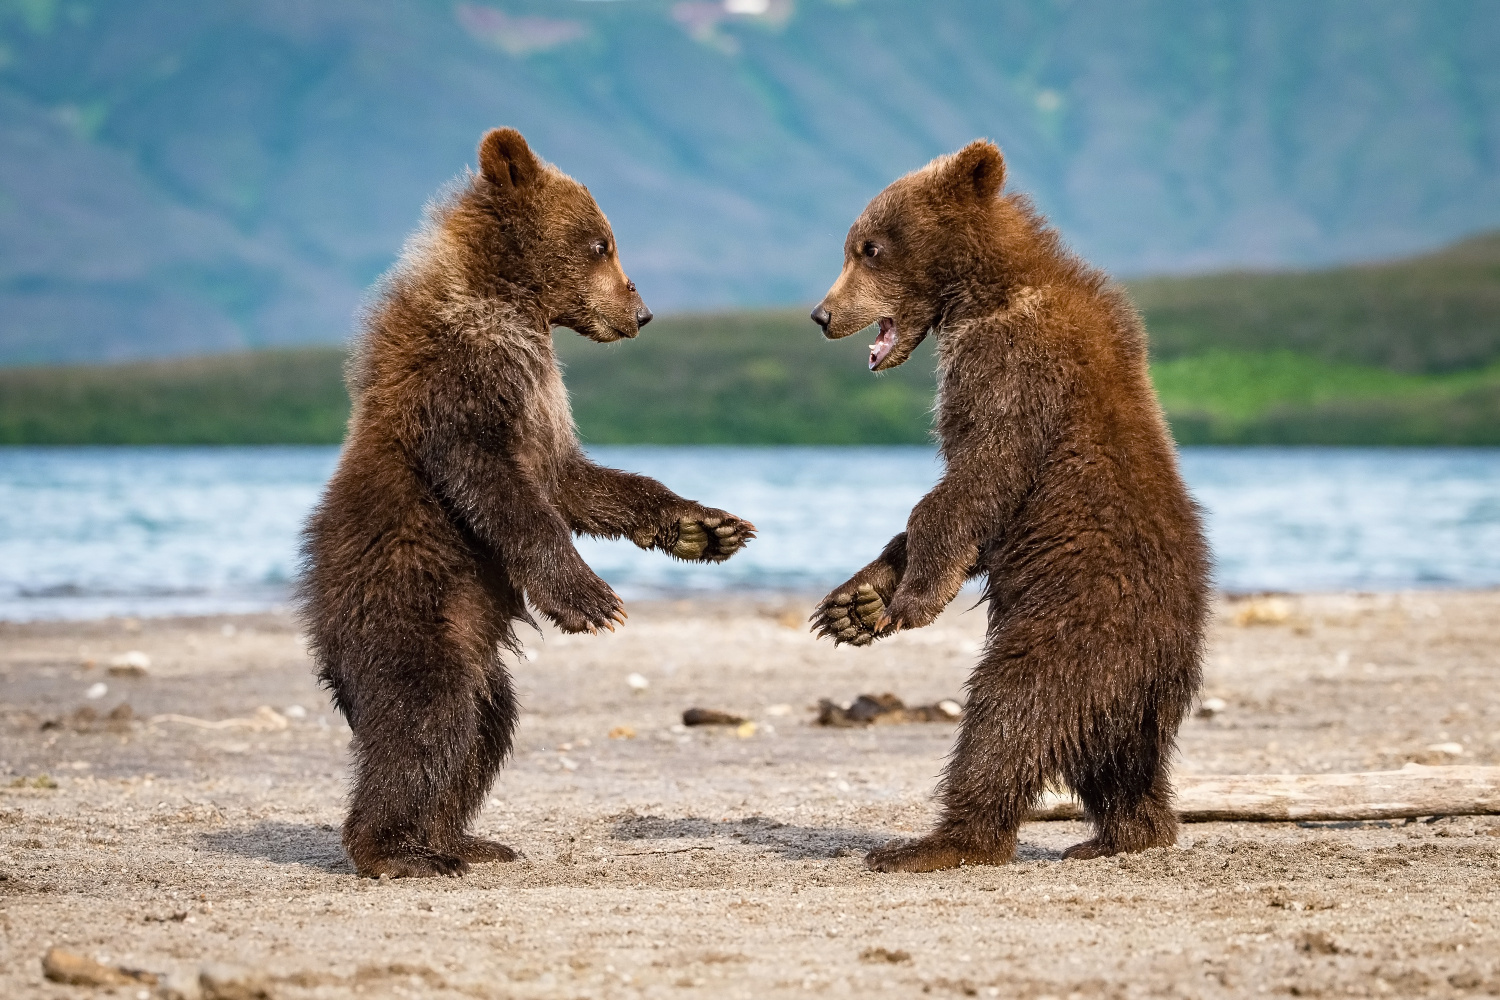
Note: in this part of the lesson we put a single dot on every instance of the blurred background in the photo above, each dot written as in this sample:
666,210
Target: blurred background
1304,200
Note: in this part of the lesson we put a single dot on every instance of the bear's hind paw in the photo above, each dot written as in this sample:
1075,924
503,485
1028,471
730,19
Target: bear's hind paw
1087,851
478,851
933,853
415,866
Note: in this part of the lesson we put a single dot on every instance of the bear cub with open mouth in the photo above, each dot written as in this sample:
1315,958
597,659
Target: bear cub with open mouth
457,496
1060,490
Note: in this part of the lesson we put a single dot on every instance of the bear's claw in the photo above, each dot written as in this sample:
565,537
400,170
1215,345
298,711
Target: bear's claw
710,538
856,618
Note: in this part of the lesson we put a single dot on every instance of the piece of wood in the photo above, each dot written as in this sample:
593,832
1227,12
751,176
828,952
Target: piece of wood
62,966
1415,790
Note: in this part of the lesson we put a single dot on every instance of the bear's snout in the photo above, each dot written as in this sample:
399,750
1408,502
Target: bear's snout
822,317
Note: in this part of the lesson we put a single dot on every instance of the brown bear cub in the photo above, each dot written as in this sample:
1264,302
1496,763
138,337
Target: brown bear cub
1060,488
457,495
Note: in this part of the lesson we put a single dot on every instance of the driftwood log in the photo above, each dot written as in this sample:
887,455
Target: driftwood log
1413,791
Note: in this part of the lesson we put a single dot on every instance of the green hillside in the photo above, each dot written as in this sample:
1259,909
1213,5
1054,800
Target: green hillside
268,397
1439,312
1279,397
1400,353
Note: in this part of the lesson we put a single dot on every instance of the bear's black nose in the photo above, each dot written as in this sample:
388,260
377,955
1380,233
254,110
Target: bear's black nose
821,317
642,316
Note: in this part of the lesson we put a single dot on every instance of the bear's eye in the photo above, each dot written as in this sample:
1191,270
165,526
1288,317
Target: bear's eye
870,249
600,247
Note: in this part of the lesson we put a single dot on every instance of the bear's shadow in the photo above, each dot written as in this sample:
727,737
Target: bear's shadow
318,845
309,845
795,843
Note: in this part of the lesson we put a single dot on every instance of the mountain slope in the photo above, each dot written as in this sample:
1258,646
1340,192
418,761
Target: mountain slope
185,177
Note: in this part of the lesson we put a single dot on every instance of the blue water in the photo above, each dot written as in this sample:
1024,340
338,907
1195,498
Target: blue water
88,532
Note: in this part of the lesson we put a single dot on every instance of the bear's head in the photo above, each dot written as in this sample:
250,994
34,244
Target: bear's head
913,257
530,224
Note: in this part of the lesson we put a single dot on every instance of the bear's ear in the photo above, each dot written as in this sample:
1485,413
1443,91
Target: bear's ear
506,161
976,172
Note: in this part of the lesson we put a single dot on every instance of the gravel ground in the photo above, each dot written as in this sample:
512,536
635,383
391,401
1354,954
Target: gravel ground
719,862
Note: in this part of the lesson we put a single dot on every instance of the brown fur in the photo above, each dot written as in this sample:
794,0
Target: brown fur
459,489
1061,489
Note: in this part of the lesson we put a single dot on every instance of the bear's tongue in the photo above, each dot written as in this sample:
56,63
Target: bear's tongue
881,349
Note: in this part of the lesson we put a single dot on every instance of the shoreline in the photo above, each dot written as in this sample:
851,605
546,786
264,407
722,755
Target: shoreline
282,613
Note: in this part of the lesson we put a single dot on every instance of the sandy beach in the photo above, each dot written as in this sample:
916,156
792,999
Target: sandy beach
199,825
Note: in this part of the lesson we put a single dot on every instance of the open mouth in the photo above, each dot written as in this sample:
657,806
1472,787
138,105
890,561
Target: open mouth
884,344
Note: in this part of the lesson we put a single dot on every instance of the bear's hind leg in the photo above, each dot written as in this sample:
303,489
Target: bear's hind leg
1128,795
996,775
417,721
497,725
402,774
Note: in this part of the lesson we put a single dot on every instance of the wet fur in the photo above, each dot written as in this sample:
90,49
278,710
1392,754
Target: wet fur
459,489
1061,491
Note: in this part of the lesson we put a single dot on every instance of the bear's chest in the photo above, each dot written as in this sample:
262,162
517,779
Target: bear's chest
544,431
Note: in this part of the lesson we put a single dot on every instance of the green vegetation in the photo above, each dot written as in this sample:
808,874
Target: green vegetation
766,378
268,397
1402,353
1436,313
1281,397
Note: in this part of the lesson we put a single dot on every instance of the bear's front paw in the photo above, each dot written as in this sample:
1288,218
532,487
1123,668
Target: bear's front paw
578,603
709,536
852,615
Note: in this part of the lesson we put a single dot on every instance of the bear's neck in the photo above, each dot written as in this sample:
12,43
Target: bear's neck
1020,252
498,307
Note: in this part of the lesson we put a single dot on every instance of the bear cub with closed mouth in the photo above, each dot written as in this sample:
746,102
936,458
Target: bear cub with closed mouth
457,496
1060,490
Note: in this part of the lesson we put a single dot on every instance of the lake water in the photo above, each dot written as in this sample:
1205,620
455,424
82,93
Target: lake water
87,532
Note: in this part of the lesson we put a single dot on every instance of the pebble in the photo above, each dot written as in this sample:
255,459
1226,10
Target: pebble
97,691
711,717
177,986
1211,707
1263,611
127,662
1446,749
225,983
294,712
637,682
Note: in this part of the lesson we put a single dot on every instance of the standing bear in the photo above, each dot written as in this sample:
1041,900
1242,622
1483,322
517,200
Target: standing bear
455,500
1060,488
